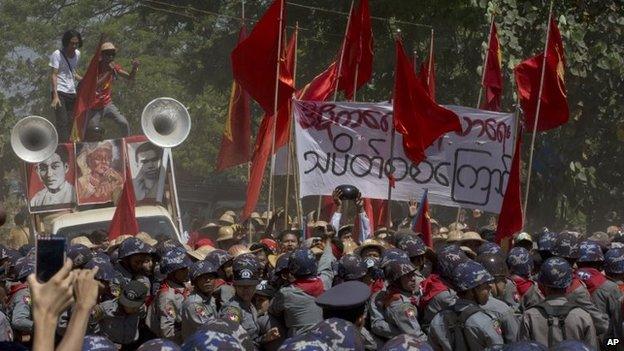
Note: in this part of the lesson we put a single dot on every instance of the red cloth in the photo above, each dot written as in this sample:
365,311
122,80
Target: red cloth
236,139
357,57
85,98
427,74
104,91
493,76
254,60
311,286
377,286
554,102
416,116
423,220
431,287
336,251
510,220
15,288
204,242
317,90
522,284
592,278
124,220
576,283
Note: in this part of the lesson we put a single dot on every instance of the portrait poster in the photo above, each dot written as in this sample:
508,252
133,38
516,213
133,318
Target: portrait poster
51,182
147,168
99,171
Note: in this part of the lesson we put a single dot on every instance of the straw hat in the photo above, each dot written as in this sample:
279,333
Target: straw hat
471,236
468,251
370,243
454,236
108,46
120,239
146,238
201,253
350,246
210,229
230,212
238,249
443,230
226,219
82,240
225,233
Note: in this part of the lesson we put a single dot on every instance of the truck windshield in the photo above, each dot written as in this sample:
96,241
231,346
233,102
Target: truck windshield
156,226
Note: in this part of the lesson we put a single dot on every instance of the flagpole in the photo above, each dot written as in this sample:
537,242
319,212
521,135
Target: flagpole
344,41
485,61
388,214
290,129
537,112
275,112
414,61
430,66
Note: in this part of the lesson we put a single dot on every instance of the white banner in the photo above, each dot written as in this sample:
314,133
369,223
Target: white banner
349,143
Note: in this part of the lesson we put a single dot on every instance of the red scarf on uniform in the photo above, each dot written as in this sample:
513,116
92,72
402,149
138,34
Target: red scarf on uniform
377,286
430,288
592,278
15,288
522,284
311,286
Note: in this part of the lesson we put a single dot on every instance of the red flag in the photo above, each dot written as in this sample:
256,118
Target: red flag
357,56
237,132
86,95
427,73
554,102
317,90
124,220
510,218
254,61
422,224
493,75
416,116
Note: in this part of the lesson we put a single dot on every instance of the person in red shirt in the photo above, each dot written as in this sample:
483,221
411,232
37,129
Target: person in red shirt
108,72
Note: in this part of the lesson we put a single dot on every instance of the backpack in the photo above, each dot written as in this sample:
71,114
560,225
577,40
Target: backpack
560,313
455,322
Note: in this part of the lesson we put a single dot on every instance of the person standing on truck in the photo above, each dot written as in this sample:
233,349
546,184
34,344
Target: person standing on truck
64,80
108,72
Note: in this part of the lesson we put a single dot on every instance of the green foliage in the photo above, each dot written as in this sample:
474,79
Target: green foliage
184,53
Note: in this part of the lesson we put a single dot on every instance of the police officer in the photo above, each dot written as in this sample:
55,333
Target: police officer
136,262
415,248
398,303
164,314
406,342
119,318
159,345
520,263
350,267
546,243
556,319
266,321
334,334
220,334
19,301
79,254
223,287
466,325
614,266
200,305
97,343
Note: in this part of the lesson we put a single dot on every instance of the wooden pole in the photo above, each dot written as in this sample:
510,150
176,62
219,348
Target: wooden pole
430,65
275,112
388,214
537,112
290,133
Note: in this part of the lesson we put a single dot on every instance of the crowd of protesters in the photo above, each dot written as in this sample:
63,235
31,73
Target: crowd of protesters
322,289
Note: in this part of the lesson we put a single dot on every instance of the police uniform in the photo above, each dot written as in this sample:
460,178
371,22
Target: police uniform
159,345
291,303
6,332
114,323
333,334
405,342
164,314
198,308
127,248
249,317
505,315
557,273
520,263
220,334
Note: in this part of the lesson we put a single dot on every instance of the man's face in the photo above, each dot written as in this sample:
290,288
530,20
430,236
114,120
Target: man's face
52,172
149,162
482,293
289,243
141,264
73,45
245,292
205,283
101,161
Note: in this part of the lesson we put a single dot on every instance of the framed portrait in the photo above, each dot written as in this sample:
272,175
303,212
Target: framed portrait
147,168
100,168
51,182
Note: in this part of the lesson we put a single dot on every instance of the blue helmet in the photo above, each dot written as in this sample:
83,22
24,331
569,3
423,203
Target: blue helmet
302,263
393,254
305,342
97,343
173,260
159,345
351,267
590,251
413,246
79,254
546,241
614,259
398,268
566,246
406,342
211,340
448,258
555,272
525,346
339,334
25,266
571,345
469,275
489,248
106,272
246,269
374,267
132,246
520,261
229,327
218,257
200,268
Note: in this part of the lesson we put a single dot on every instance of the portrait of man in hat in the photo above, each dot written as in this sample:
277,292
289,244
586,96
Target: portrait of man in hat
100,169
50,182
145,160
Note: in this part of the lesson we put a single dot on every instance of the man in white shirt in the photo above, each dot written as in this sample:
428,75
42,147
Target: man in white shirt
57,190
64,82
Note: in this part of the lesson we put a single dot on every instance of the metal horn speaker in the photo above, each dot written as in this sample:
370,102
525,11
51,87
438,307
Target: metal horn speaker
166,122
34,139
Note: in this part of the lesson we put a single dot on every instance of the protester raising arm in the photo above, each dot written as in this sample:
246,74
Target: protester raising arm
365,227
337,216
49,300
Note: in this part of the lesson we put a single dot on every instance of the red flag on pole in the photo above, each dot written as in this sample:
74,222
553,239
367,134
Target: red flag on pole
124,220
422,223
493,75
86,95
510,220
235,141
427,73
416,116
554,102
357,56
254,60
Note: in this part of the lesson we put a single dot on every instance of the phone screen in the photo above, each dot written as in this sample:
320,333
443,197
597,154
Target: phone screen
50,256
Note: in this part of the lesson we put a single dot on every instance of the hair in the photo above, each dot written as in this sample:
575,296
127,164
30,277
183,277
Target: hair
281,235
147,146
63,154
91,156
68,35
349,314
99,236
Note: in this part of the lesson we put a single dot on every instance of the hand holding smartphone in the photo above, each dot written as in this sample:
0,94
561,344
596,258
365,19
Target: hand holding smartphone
50,254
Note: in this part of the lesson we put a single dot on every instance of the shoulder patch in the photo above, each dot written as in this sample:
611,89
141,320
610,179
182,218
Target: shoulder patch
200,310
170,309
26,299
497,326
232,313
410,311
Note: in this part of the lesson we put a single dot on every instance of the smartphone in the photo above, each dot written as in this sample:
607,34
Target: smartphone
50,254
